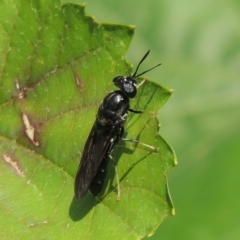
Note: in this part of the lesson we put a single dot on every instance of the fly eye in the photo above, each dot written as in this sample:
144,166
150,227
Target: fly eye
127,84
129,87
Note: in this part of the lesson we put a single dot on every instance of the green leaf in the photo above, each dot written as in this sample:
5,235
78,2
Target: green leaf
57,65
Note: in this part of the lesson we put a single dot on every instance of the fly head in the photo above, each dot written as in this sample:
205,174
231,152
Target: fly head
127,85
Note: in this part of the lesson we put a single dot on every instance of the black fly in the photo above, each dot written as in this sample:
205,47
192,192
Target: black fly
106,132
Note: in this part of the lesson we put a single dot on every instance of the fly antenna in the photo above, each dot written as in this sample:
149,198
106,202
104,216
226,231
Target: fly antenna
144,57
147,70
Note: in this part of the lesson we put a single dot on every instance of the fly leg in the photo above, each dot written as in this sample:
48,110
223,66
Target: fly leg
141,83
135,111
120,131
117,178
155,149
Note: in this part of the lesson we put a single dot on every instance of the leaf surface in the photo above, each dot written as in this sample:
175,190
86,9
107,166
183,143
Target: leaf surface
57,65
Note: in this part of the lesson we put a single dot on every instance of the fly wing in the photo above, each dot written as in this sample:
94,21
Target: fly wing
97,146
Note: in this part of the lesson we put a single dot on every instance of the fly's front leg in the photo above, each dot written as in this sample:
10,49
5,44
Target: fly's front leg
141,83
135,111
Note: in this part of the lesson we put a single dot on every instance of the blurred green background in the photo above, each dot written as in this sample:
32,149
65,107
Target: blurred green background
198,44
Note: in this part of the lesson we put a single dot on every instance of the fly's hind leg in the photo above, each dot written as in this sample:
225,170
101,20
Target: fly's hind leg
117,178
